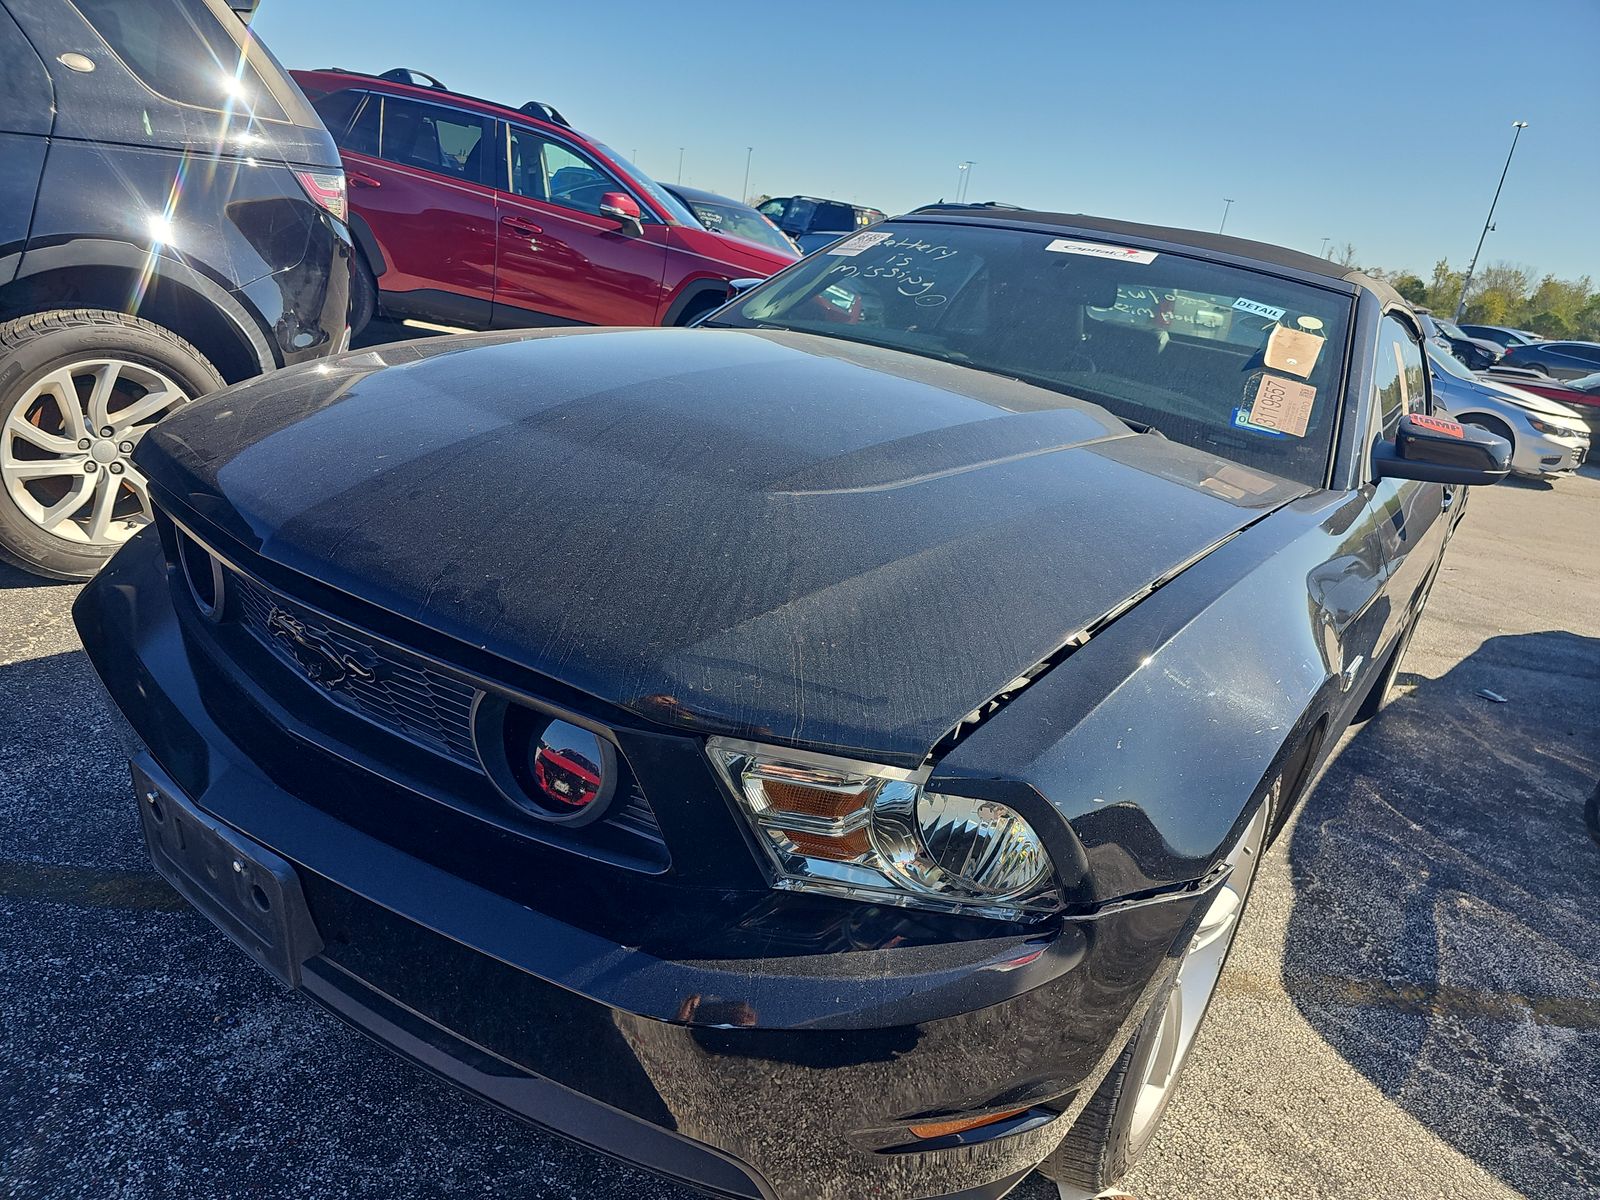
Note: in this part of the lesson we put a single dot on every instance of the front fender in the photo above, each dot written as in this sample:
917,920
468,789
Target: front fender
1154,739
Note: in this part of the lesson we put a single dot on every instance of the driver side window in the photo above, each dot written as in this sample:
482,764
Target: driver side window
1400,375
543,169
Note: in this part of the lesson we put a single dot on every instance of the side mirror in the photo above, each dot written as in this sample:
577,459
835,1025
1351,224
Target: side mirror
1436,450
624,210
737,287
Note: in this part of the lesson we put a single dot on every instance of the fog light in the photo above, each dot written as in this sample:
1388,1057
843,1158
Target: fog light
553,768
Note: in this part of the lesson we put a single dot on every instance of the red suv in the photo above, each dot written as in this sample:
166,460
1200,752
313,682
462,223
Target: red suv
477,216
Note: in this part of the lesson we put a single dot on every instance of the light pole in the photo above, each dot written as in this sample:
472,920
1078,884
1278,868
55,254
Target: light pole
1322,253
1488,222
680,164
963,174
1226,205
749,153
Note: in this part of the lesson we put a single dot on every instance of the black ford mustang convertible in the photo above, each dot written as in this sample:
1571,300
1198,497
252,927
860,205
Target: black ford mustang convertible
820,754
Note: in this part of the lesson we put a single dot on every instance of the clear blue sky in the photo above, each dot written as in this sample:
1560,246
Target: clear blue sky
1381,123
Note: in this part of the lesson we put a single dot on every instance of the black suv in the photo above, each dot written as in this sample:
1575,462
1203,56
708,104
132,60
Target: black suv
813,223
172,218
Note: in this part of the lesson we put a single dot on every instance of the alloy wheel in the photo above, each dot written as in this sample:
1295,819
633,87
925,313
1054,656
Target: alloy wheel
1190,992
66,448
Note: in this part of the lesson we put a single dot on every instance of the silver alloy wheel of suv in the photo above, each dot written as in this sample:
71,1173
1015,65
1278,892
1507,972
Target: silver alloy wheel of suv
66,443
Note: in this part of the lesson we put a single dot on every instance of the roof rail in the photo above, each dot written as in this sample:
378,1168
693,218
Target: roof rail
545,112
407,75
1000,204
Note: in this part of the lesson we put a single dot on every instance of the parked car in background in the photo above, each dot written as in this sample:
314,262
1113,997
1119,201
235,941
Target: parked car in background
1582,395
1500,335
812,222
472,215
1559,360
825,753
725,215
1547,439
1477,353
171,219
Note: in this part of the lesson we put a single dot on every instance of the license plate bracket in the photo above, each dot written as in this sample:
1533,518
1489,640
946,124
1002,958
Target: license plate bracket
246,890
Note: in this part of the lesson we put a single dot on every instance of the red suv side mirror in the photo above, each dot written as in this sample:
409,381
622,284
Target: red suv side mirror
624,210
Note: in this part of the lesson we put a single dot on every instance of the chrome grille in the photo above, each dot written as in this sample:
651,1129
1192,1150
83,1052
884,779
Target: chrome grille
388,686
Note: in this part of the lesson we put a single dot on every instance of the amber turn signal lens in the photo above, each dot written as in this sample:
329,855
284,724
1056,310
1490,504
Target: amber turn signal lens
801,800
939,1129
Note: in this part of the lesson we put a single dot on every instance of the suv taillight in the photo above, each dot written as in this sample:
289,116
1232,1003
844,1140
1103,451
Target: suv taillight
327,190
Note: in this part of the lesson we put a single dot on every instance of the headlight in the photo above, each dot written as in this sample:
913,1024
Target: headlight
877,834
1556,430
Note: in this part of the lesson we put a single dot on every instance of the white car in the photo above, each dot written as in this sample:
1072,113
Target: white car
1547,439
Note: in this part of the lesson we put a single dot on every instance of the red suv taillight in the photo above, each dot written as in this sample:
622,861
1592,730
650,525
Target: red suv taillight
327,190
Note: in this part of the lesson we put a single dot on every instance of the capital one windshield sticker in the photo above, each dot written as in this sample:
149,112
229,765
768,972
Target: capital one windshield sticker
1097,250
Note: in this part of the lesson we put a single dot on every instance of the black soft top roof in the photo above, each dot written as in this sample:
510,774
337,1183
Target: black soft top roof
1213,243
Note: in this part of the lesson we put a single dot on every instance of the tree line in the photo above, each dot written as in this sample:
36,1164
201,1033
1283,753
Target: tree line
1503,294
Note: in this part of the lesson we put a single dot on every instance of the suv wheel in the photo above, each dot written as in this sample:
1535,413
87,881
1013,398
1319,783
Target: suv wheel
1119,1121
78,389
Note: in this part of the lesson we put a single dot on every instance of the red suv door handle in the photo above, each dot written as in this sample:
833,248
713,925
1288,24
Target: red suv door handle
518,225
357,179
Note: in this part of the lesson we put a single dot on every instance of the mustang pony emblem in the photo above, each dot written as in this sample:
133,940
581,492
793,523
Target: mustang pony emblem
319,658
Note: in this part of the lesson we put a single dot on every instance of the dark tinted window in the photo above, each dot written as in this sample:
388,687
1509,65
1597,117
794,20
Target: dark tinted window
336,109
443,140
834,218
182,50
1579,350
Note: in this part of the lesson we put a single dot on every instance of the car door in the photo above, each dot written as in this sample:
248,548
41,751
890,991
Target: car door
419,175
559,260
27,112
1410,516
1572,360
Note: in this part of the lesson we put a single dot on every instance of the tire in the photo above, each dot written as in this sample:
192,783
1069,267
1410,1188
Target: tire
363,295
69,494
1383,690
1125,1111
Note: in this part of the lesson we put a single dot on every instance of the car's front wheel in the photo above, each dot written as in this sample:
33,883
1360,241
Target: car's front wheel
1119,1121
81,387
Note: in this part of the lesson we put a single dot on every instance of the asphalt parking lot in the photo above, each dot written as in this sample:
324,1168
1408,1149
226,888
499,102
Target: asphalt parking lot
1413,1008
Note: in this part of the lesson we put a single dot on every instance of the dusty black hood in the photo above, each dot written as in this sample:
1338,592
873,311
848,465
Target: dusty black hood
772,534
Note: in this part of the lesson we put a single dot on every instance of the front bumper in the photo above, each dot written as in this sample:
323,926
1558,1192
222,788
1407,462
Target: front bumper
1541,455
790,1076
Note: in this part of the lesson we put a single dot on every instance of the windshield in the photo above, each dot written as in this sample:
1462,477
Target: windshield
1451,330
746,223
1448,362
677,213
1229,360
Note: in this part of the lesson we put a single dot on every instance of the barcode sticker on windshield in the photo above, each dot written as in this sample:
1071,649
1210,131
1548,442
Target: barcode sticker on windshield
853,246
1256,308
1282,405
1096,250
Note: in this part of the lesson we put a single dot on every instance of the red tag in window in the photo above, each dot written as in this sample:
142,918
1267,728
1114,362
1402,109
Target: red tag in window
1438,425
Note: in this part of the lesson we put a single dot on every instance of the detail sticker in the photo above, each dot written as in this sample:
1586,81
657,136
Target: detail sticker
1097,250
1258,309
1283,405
1292,350
853,246
1438,425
